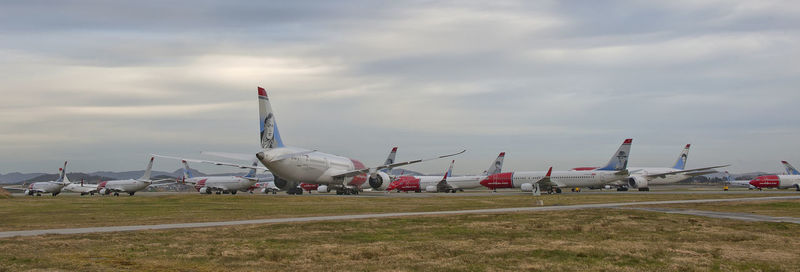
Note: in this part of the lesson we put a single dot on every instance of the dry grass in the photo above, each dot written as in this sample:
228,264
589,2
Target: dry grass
597,240
784,208
21,213
4,193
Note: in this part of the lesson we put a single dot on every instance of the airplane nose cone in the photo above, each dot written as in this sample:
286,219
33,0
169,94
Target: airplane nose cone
485,182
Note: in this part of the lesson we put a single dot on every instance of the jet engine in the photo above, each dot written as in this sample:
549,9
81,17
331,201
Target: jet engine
379,181
323,189
638,182
526,187
285,185
104,191
205,190
431,189
28,192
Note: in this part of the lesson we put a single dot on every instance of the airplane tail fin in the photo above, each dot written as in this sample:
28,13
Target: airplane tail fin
270,137
252,172
187,172
619,161
790,169
62,175
728,177
146,175
390,158
681,162
449,172
497,165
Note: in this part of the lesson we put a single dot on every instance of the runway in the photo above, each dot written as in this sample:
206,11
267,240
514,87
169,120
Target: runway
7,234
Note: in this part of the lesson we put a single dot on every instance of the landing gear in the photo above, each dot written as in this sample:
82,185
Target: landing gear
233,192
38,194
55,194
295,191
346,191
644,189
797,187
116,194
558,190
131,193
622,189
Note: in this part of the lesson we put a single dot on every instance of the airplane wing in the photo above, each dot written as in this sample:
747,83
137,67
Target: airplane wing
546,182
216,163
700,171
368,170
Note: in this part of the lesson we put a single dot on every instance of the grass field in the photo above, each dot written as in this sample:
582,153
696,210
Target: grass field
26,213
596,240
785,208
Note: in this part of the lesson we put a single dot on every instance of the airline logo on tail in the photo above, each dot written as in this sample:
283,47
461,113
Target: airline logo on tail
270,138
620,159
790,169
681,163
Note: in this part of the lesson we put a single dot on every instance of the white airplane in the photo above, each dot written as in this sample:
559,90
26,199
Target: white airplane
294,165
449,183
642,177
220,184
615,170
48,187
267,187
130,186
81,188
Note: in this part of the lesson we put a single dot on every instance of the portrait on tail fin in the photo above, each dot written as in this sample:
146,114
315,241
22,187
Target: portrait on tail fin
268,131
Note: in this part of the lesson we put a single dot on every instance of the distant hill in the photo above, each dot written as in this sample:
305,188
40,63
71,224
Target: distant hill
16,177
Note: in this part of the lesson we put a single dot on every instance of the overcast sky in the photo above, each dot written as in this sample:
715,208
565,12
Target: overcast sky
553,83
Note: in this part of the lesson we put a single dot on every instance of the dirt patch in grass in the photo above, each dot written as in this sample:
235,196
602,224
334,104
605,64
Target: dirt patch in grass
595,240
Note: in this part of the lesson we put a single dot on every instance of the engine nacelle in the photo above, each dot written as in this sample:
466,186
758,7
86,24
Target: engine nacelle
379,181
323,189
204,190
28,192
431,189
104,191
526,187
637,182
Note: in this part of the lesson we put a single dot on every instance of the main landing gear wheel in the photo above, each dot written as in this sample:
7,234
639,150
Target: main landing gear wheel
233,192
131,193
644,189
558,190
116,194
295,191
622,189
797,187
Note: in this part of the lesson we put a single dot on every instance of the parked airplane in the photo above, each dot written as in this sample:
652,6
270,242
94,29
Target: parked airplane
417,183
642,177
266,187
220,184
81,188
130,186
49,187
294,165
615,170
738,183
778,181
450,183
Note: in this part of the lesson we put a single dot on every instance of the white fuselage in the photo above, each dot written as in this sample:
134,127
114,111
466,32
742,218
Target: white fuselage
126,186
312,168
47,187
563,179
658,180
81,188
222,183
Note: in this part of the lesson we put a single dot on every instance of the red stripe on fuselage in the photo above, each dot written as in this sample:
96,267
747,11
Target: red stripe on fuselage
200,184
